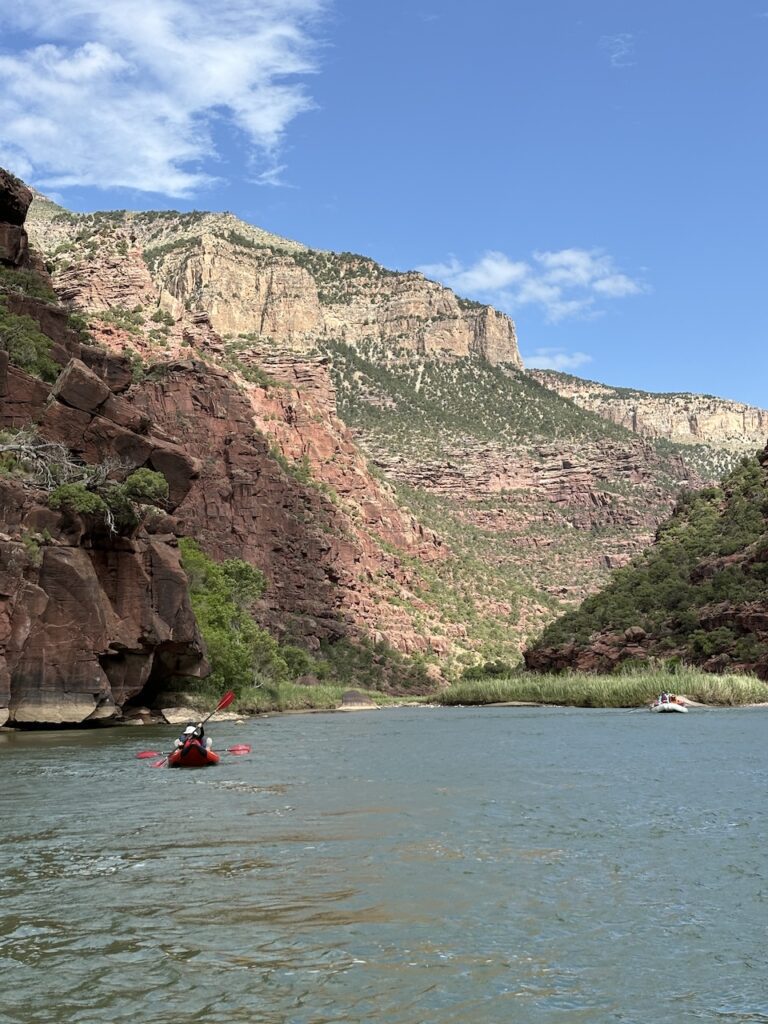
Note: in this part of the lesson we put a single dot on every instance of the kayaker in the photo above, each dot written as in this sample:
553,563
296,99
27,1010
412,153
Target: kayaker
193,731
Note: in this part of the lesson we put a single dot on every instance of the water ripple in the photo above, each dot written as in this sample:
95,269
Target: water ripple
438,867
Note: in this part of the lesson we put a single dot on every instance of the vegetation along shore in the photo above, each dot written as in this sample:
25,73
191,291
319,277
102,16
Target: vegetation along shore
571,689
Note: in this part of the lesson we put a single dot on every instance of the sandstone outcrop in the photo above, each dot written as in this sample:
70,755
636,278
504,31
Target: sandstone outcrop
249,283
15,198
87,623
683,418
696,595
89,619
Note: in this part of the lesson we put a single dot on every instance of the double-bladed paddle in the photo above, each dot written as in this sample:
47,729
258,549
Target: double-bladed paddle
225,701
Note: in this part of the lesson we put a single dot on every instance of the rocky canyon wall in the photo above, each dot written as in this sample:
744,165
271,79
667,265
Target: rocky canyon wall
248,282
683,418
87,618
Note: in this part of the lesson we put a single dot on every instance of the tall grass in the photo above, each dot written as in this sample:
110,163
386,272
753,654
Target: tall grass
276,696
603,691
289,697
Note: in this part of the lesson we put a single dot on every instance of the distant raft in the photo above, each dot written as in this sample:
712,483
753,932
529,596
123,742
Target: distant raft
669,703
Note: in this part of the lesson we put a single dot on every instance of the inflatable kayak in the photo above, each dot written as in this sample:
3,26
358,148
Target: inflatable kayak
192,755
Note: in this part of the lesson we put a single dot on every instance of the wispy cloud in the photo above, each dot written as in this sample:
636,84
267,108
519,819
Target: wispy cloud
620,49
127,94
555,359
563,284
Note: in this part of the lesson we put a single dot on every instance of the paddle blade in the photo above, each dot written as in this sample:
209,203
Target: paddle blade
239,748
147,753
160,764
226,700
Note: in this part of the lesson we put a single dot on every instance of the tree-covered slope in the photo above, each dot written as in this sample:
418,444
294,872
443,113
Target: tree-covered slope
699,593
423,403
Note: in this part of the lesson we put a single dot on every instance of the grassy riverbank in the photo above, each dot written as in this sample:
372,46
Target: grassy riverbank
602,691
571,689
283,696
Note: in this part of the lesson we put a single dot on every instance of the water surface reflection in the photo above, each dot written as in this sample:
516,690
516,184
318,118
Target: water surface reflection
408,866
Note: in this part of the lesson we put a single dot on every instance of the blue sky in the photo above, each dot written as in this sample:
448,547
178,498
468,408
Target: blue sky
596,168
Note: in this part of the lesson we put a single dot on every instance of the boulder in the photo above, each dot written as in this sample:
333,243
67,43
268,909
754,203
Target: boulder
114,370
178,468
80,388
22,396
15,198
180,715
354,700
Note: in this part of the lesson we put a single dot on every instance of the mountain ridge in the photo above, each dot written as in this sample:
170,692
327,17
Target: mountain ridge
534,498
683,417
249,281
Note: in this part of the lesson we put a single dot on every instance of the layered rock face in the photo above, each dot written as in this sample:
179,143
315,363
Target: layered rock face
250,283
696,595
683,418
569,512
312,518
88,619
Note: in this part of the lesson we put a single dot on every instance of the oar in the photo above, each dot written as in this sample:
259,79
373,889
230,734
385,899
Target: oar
225,701
238,748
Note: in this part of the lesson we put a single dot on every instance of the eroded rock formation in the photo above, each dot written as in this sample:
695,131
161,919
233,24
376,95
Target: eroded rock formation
248,282
87,618
683,418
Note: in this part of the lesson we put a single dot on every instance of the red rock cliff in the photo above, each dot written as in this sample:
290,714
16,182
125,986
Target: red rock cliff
88,619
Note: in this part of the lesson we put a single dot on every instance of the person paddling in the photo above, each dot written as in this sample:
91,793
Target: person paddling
193,733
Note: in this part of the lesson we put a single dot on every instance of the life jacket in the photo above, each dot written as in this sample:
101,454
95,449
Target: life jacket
193,743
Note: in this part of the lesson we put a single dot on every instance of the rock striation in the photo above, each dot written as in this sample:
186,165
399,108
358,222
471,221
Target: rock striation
88,619
697,594
683,418
250,283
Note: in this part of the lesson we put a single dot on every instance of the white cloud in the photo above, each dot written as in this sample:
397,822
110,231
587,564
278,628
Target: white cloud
492,271
555,359
563,284
620,48
128,93
616,286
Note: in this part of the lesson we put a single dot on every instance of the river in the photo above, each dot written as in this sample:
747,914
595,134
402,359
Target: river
404,866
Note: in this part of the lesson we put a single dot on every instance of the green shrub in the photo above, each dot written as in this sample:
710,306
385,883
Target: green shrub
239,651
129,320
26,345
79,324
161,317
146,487
27,281
489,669
76,499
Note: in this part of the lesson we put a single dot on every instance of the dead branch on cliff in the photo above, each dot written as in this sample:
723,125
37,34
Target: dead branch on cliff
48,464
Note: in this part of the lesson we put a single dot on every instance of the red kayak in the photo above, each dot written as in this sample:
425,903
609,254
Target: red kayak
193,755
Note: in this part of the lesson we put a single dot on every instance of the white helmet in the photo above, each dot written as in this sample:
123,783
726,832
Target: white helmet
190,730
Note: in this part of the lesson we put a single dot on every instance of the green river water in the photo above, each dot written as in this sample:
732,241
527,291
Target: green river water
460,866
